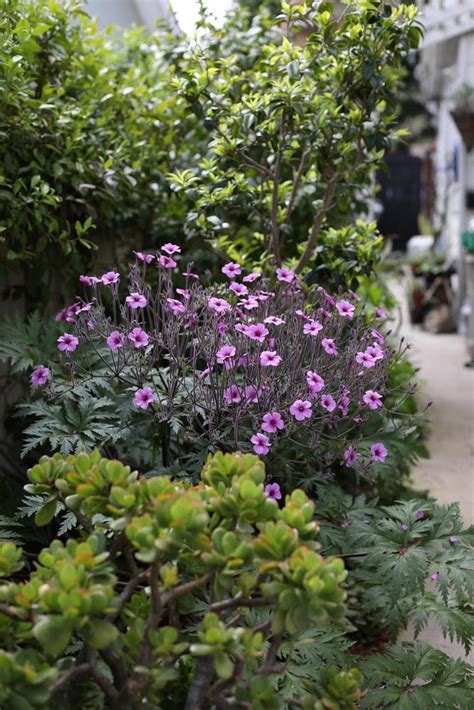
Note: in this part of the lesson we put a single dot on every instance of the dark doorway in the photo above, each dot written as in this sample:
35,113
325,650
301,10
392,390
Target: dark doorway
400,187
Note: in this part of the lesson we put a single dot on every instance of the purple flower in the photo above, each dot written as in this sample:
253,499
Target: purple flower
171,248
269,358
350,456
404,526
143,398
302,314
233,395
344,405
272,491
219,305
225,355
377,336
238,289
86,280
67,342
116,340
147,258
315,382
249,303
166,262
136,300
453,539
328,402
231,270
175,305
252,393
261,444
40,376
313,327
250,278
435,576
274,320
301,409
365,359
379,452
329,346
256,331
272,421
184,293
189,274
345,309
372,399
420,515
380,313
375,351
109,278
285,275
241,328
138,338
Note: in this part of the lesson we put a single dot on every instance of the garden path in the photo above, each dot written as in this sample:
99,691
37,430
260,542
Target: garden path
449,473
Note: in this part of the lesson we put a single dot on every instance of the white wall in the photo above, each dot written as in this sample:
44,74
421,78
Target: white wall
127,12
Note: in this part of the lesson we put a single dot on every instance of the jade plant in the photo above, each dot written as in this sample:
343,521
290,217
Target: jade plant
170,594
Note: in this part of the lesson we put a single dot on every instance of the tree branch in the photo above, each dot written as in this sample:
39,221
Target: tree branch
317,223
239,600
72,673
199,687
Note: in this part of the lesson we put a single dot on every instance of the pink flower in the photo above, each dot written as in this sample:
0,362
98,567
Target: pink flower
189,275
261,444
138,338
375,351
344,405
272,491
350,456
372,399
274,320
257,331
328,402
67,342
143,398
238,289
250,278
272,421
269,358
184,293
302,314
175,305
315,382
329,346
420,515
379,452
86,280
218,305
345,309
301,409
40,376
285,275
231,270
166,262
252,394
116,340
313,327
136,300
171,248
365,359
109,278
225,355
249,303
147,258
435,576
241,328
453,539
380,313
377,336
264,295
233,395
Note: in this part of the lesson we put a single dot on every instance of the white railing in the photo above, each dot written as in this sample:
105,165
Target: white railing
444,19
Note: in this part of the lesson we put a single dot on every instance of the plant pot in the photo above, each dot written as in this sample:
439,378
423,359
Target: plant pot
464,121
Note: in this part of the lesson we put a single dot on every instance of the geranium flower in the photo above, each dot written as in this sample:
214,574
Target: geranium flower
380,313
261,444
250,278
315,381
241,328
269,358
420,515
350,456
257,331
231,270
40,376
166,262
86,280
225,354
238,289
435,576
345,309
377,336
249,303
147,258
375,351
272,491
365,359
313,327
138,338
109,278
233,395
274,320
171,248
184,293
272,421
379,452
190,275
344,405
67,342
328,402
116,340
329,346
175,305
219,305
372,399
301,409
453,539
252,394
285,275
136,300
143,398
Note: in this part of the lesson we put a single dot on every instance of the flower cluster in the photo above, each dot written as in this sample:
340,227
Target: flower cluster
244,363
